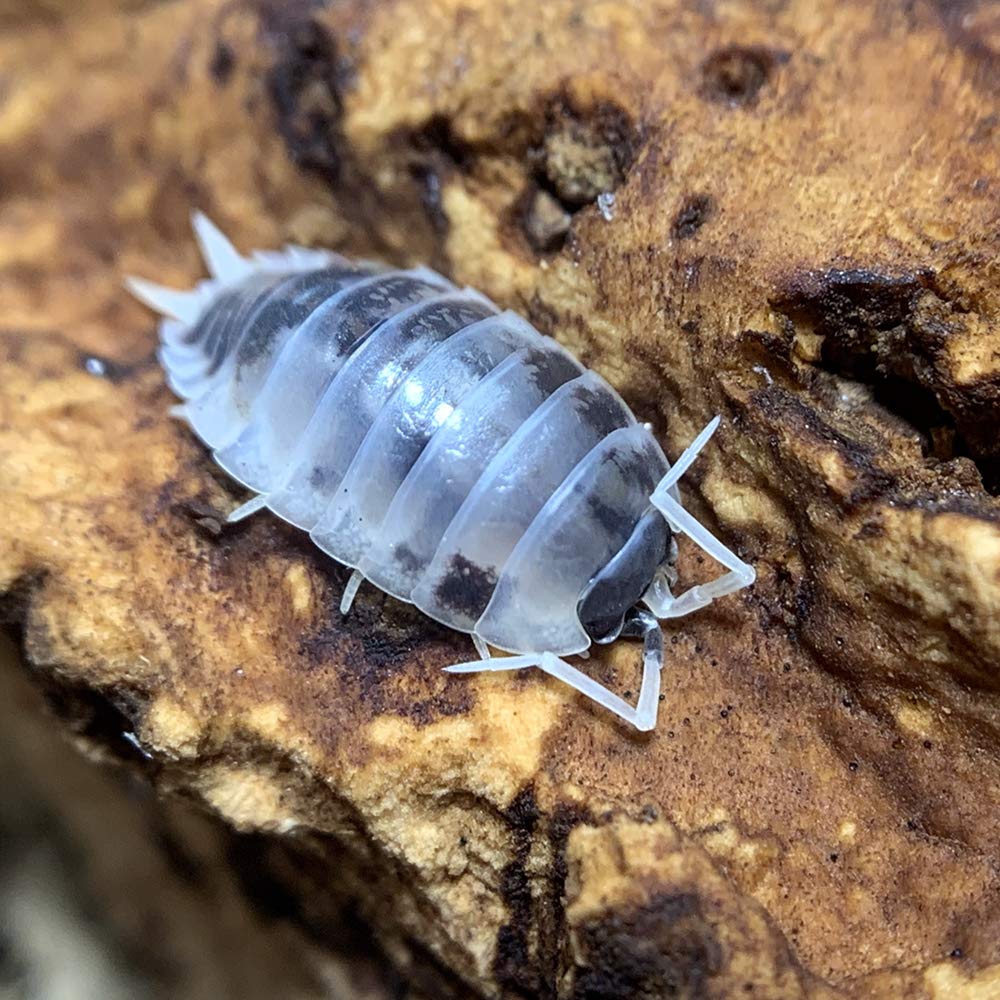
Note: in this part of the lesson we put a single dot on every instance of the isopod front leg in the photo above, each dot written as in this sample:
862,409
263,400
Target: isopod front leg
643,715
644,625
481,648
495,663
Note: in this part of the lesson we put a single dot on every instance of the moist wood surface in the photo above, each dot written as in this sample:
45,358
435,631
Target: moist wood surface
803,237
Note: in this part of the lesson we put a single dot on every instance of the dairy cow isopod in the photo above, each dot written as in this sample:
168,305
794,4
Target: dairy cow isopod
444,449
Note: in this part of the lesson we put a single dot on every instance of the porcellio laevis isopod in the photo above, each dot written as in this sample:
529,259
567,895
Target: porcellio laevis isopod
444,449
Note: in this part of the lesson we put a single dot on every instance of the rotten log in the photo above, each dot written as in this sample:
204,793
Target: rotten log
803,237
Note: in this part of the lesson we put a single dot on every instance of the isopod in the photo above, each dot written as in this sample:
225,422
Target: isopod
444,449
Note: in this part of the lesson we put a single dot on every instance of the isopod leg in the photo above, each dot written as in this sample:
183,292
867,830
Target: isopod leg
481,648
642,716
351,590
644,625
495,663
246,509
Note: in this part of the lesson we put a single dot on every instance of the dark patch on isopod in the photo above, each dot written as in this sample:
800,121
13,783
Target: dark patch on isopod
407,558
466,588
598,408
549,369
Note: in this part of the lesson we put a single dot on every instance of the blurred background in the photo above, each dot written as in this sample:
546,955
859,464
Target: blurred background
108,893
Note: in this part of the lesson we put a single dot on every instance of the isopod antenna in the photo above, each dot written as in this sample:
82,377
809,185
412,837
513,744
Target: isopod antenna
739,574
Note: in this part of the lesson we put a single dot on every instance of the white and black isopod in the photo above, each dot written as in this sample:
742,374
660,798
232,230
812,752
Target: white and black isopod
447,451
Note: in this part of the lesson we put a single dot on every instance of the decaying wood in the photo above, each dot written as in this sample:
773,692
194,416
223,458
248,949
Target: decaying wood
803,237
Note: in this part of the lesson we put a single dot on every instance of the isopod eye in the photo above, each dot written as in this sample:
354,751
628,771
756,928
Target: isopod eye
621,583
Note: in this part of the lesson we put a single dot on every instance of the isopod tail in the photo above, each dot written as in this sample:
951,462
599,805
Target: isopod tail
185,307
224,262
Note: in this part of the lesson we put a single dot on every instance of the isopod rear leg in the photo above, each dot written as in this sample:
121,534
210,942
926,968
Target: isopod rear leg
481,648
642,716
246,509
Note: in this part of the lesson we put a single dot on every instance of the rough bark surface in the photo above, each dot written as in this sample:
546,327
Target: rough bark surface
798,228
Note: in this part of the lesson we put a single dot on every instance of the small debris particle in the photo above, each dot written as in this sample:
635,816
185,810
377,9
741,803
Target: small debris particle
300,590
606,205
693,214
203,515
133,741
546,222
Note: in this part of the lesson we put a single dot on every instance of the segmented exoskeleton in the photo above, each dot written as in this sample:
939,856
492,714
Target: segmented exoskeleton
446,450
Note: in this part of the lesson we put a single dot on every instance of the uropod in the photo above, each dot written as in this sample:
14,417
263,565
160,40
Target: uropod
444,449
